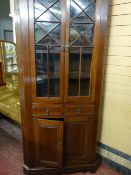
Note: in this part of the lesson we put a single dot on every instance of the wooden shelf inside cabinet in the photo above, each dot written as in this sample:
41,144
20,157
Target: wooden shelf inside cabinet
51,75
83,75
56,75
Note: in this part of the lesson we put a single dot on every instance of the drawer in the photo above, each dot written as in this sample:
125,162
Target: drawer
48,111
79,110
61,111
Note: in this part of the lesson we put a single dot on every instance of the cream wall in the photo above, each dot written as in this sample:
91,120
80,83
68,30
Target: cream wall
116,110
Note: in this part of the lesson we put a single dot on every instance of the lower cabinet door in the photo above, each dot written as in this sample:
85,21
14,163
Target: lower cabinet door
78,136
48,138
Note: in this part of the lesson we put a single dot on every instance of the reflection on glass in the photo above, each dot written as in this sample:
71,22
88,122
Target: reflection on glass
42,29
39,33
82,28
47,33
90,11
47,3
73,34
82,18
81,35
56,9
81,41
84,3
89,33
39,8
74,9
82,23
48,71
55,33
48,41
47,16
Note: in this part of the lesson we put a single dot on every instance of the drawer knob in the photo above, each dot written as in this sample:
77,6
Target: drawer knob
78,111
60,142
47,111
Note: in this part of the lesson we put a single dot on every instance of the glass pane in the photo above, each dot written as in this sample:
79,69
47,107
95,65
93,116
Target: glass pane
74,72
83,3
54,87
82,18
81,42
86,33
47,16
56,9
84,86
79,71
86,61
39,33
54,72
73,87
82,28
48,41
73,34
54,61
39,8
89,33
85,72
42,29
47,50
74,9
56,33
90,11
47,3
48,71
41,72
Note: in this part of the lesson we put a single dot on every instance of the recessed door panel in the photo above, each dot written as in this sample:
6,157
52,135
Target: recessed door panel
48,137
78,140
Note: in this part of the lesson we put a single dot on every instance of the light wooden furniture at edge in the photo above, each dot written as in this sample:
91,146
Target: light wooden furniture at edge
9,88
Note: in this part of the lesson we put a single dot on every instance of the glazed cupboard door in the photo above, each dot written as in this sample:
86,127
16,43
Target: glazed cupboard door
48,57
63,64
48,140
80,61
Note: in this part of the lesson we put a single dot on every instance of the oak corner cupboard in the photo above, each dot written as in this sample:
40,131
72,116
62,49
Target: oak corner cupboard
60,46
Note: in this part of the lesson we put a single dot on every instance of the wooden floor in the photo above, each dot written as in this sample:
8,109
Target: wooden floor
11,157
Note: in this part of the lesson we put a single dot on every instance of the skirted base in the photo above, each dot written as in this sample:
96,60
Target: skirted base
56,171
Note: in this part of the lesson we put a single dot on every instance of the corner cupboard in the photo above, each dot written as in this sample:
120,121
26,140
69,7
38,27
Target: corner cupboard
60,45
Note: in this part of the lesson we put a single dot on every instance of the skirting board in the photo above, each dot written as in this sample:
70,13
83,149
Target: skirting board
114,158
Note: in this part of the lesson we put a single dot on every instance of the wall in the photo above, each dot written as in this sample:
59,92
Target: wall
116,110
5,20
